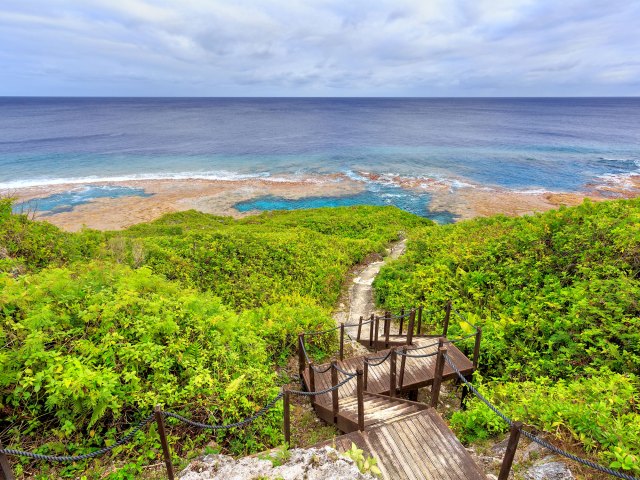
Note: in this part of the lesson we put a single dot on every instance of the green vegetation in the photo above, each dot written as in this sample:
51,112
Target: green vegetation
365,464
200,313
557,295
193,312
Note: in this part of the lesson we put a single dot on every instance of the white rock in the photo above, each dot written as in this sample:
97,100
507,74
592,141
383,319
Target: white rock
547,469
311,464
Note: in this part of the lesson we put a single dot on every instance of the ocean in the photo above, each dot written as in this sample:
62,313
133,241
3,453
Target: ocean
520,144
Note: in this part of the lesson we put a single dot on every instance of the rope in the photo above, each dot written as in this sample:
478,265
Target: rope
322,392
408,355
241,423
357,324
66,458
536,439
317,370
344,372
384,359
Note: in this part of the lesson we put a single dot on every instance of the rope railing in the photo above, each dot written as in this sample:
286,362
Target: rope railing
239,424
533,437
326,390
382,359
409,355
344,372
158,416
77,458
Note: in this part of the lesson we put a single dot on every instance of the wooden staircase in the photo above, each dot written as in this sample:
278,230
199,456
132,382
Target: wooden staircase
379,409
360,395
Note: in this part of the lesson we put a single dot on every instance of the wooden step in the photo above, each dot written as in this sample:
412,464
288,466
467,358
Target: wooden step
378,409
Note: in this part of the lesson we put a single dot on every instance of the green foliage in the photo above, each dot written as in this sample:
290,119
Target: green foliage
262,259
94,345
599,411
365,464
557,297
192,311
26,245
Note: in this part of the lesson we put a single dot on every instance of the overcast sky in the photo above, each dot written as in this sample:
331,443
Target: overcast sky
319,48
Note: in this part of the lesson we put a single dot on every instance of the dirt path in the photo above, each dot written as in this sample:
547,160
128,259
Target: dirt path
359,300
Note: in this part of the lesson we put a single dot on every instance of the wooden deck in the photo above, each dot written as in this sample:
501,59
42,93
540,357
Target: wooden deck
418,373
416,447
409,439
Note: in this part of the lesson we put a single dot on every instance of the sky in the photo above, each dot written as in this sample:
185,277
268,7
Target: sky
333,48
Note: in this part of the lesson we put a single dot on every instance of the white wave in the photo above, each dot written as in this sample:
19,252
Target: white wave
92,179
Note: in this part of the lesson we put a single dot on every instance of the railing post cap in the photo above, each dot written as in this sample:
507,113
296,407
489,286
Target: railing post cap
359,371
157,408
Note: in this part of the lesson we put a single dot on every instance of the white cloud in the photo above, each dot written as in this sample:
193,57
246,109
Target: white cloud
330,47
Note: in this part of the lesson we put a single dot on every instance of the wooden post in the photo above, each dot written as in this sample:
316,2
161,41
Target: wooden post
437,379
420,320
377,331
5,469
366,374
360,393
163,441
412,322
371,325
342,341
476,348
401,321
392,373
312,382
447,314
514,437
359,328
301,359
387,328
403,362
286,413
334,393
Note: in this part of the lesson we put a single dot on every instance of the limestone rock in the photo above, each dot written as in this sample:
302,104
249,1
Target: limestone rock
549,469
310,464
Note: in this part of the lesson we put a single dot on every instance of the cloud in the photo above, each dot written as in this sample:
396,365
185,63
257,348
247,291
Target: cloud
322,47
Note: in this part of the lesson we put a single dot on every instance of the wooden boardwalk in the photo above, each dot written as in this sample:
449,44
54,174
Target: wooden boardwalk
410,440
418,372
416,447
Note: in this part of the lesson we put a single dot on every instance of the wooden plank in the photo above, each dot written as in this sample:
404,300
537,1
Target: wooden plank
422,432
420,452
471,470
400,436
437,453
409,463
397,453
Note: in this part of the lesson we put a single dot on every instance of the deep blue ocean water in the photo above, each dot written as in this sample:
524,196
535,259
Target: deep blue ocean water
553,144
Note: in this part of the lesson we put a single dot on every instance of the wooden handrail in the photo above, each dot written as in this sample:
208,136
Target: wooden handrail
437,379
412,320
334,393
301,359
360,394
507,461
447,315
392,373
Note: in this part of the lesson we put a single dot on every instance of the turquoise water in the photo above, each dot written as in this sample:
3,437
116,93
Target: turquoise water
551,144
67,201
417,203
